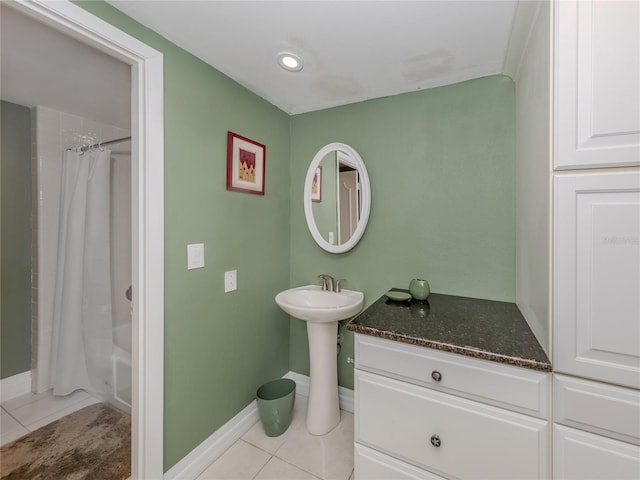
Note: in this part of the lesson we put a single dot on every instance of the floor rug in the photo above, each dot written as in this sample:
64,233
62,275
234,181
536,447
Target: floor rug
92,443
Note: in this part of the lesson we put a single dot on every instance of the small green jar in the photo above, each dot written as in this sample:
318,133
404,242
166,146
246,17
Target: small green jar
419,289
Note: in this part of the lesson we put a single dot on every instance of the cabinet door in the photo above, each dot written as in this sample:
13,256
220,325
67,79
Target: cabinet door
597,84
580,455
447,435
597,277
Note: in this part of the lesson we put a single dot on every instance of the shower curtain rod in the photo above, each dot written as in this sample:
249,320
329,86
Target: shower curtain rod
86,148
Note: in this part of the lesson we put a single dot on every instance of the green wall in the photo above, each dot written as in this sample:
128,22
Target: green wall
15,315
218,347
441,166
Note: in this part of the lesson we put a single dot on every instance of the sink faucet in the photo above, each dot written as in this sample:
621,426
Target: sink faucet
327,282
330,284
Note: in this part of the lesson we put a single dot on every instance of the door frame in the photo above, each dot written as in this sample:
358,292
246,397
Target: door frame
147,195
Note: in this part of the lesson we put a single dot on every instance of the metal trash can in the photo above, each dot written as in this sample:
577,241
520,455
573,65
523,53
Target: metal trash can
275,405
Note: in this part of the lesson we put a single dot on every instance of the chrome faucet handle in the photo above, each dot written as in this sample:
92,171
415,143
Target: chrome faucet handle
327,282
337,287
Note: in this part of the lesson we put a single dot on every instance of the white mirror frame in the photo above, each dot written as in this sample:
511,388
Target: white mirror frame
365,196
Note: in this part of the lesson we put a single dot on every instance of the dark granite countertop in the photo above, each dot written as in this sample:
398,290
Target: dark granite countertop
485,329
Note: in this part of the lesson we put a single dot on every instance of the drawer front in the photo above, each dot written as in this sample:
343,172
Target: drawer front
581,455
519,389
450,436
599,408
373,465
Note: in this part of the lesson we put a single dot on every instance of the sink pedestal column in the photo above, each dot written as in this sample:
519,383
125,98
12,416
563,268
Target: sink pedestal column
323,411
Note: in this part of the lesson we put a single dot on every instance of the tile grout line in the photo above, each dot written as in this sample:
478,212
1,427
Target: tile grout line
31,429
8,412
275,455
262,467
300,468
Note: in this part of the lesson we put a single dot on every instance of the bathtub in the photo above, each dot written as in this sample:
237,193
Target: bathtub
121,367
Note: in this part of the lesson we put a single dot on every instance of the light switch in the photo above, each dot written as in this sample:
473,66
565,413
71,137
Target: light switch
331,238
195,256
230,281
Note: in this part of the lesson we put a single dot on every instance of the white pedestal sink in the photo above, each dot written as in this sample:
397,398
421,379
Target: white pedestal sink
322,311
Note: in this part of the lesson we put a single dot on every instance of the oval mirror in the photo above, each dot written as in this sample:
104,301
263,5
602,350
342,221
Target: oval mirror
337,197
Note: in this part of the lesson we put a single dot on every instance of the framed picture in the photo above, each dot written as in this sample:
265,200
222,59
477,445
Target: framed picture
316,186
245,164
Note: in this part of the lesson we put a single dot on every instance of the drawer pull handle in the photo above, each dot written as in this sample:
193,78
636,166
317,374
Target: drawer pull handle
435,441
436,375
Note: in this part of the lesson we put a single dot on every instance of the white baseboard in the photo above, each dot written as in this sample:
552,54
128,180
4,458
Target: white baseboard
197,461
213,447
15,386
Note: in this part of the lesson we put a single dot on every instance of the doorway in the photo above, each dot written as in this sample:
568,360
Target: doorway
147,211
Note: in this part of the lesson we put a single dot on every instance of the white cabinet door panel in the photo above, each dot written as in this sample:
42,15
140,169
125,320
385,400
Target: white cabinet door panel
451,436
597,84
580,455
597,276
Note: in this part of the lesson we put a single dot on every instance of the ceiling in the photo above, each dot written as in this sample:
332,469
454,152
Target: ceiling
352,50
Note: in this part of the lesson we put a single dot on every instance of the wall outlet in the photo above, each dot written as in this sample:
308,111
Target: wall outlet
230,281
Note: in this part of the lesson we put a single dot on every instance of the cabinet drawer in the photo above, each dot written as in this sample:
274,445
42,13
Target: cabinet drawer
373,465
506,386
584,456
597,407
471,440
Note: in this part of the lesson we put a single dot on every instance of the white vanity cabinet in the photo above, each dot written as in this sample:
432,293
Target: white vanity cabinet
424,413
596,247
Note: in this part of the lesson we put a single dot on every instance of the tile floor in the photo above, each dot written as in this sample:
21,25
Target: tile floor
26,413
294,455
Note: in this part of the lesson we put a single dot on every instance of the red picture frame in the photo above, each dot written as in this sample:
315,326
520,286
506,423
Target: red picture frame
246,160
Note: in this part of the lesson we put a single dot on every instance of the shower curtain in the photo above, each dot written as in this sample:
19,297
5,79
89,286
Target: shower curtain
82,319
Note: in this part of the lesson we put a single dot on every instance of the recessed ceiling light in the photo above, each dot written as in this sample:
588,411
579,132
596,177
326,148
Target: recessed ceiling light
290,62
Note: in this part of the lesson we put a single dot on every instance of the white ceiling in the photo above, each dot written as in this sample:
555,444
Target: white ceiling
352,50
41,66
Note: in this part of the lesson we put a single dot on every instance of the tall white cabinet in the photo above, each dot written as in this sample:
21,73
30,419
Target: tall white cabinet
596,240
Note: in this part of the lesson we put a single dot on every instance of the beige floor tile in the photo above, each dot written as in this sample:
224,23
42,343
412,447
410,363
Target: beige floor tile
329,457
44,405
10,428
241,462
277,469
61,413
20,401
